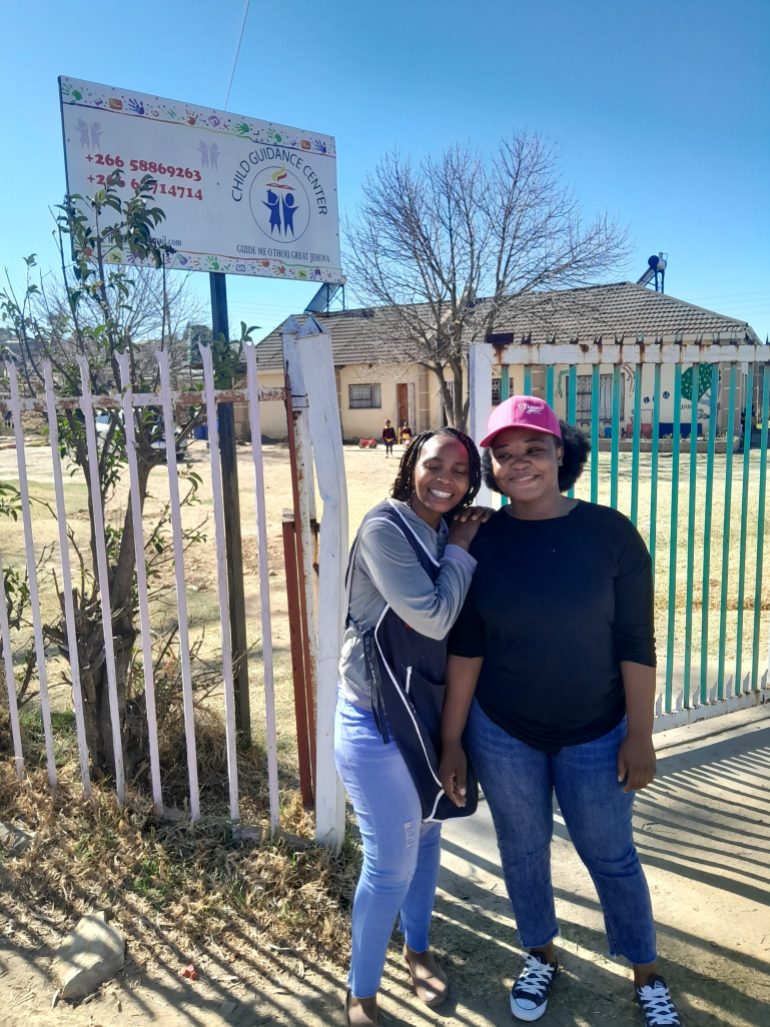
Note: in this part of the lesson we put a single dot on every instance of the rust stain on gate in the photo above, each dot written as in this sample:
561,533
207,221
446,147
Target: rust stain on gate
299,628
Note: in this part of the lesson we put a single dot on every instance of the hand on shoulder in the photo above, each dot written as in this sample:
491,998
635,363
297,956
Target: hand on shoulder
474,513
466,523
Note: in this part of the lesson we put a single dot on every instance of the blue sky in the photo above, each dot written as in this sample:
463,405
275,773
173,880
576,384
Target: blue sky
661,112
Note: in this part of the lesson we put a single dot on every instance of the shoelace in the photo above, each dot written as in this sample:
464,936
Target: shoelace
535,976
658,1007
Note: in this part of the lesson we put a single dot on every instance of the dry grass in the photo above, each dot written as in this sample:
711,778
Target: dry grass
677,543
171,886
169,883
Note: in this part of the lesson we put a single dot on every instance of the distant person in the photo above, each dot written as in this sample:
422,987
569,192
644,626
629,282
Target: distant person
388,437
405,433
754,428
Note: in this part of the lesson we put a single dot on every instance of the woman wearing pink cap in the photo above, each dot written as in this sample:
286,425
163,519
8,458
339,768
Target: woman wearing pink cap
550,688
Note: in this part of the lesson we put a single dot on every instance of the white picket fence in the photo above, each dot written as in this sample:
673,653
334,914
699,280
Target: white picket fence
318,449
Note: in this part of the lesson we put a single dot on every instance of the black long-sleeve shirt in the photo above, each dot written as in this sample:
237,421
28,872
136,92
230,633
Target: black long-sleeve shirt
553,608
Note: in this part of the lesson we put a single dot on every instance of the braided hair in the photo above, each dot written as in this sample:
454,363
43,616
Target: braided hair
403,486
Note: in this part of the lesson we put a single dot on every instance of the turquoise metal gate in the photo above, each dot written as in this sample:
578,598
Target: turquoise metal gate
679,437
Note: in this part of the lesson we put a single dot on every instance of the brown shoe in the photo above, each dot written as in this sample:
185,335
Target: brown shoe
361,1012
428,979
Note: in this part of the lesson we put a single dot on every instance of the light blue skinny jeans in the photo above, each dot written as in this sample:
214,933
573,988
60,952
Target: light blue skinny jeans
519,782
401,854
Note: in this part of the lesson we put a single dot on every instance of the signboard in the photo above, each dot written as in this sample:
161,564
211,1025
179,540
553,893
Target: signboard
240,196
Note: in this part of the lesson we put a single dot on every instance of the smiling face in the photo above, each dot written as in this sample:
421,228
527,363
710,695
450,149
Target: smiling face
525,464
441,478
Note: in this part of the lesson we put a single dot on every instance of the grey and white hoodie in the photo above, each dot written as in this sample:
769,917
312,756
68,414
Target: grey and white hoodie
385,572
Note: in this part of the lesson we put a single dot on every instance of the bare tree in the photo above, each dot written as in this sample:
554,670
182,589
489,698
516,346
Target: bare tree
452,243
155,312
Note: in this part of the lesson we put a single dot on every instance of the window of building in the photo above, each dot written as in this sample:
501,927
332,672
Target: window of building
584,397
364,397
586,401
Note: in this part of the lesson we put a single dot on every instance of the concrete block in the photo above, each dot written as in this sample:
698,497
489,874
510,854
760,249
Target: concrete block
89,956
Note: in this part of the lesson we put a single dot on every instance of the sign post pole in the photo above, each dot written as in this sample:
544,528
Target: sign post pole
232,516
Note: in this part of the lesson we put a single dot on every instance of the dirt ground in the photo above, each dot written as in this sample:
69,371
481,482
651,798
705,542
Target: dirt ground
703,831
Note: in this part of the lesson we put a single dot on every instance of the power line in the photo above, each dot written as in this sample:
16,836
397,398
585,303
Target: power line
731,295
237,51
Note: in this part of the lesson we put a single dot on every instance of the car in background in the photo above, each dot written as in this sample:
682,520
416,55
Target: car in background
154,420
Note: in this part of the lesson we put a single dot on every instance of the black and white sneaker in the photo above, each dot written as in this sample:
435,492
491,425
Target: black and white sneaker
658,1009
529,995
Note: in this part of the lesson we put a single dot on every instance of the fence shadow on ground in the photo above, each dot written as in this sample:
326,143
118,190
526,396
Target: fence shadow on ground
703,830
236,985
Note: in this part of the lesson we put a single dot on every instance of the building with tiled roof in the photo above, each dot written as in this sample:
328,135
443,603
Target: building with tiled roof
377,380
366,335
621,310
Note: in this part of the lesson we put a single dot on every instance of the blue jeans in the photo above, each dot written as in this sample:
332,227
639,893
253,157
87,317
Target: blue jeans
401,854
518,782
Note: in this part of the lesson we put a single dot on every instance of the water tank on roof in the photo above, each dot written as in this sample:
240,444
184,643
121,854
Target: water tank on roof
656,269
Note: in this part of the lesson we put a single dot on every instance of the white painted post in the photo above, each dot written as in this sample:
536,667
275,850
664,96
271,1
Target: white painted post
315,350
69,606
181,595
103,577
141,580
224,601
29,550
480,356
10,680
255,426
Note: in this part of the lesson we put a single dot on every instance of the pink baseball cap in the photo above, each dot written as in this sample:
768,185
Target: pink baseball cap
522,412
